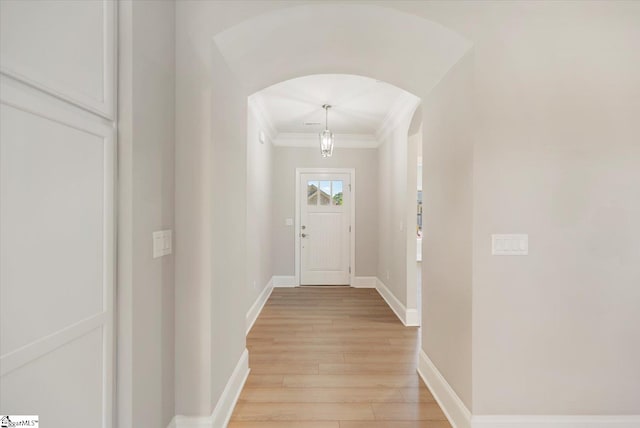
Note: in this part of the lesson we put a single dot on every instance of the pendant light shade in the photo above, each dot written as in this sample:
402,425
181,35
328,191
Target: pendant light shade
326,136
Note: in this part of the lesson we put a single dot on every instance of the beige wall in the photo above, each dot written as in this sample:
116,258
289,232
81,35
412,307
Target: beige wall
228,220
393,184
146,189
447,227
260,200
211,113
557,157
414,150
285,162
556,86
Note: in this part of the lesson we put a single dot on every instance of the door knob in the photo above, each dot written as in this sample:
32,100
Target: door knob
304,235
303,227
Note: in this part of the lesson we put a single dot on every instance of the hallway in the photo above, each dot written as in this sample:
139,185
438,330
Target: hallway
333,358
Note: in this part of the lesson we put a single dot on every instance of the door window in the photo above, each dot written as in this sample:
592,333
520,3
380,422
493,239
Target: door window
336,192
324,192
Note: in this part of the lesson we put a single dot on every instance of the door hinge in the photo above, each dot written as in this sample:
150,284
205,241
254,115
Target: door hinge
349,269
349,187
349,228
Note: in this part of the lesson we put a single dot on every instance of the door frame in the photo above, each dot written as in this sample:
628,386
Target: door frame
352,217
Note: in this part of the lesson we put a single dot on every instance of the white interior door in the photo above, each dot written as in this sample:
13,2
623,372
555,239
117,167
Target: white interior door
57,174
325,214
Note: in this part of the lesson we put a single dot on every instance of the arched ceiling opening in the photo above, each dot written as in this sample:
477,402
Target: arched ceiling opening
361,108
416,121
404,50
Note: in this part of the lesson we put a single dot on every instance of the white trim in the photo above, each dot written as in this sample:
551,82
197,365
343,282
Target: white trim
256,308
172,423
403,108
452,406
352,221
364,282
412,318
192,422
224,408
38,79
352,218
555,421
409,317
284,281
16,93
460,417
342,141
44,345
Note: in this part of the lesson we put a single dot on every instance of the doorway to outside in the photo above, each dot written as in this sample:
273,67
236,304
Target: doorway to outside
325,226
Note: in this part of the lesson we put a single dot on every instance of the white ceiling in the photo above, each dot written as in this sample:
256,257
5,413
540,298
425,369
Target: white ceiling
360,104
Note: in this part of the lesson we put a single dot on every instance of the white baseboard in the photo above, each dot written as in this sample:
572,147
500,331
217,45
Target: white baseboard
555,421
460,417
256,308
172,424
224,408
364,282
408,317
284,281
192,422
452,406
412,318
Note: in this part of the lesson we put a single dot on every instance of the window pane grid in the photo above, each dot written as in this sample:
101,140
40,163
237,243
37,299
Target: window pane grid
325,192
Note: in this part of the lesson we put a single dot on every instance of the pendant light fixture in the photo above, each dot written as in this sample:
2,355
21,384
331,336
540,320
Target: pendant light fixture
326,136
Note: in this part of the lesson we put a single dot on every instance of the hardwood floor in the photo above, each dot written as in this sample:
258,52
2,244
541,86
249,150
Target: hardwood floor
333,357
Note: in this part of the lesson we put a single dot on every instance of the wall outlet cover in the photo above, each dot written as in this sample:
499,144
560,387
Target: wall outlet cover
510,244
162,243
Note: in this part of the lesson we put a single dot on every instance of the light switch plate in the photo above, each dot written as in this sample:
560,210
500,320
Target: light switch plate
162,243
510,244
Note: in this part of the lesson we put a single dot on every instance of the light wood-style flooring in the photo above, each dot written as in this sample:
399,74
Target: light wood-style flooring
333,357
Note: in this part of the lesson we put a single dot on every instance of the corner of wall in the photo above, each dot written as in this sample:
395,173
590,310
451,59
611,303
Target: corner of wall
256,308
408,317
364,282
285,281
226,403
452,406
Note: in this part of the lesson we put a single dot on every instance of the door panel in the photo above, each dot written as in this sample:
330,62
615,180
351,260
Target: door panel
326,251
31,388
57,211
45,206
324,235
64,47
57,168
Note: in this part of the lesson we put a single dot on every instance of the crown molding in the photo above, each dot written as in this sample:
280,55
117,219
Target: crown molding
310,140
402,109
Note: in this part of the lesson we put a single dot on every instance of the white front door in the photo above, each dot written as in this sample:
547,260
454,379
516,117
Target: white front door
325,214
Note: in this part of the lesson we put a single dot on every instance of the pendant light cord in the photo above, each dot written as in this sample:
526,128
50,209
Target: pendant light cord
326,116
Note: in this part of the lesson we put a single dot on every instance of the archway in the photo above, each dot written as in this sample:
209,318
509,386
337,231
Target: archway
353,39
370,119
214,81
